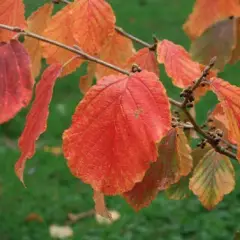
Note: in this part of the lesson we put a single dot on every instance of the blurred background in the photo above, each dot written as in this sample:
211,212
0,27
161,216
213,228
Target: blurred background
52,192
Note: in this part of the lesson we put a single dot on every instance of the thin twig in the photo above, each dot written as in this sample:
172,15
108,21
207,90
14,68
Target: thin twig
73,218
106,64
130,36
191,90
211,141
61,1
61,45
229,145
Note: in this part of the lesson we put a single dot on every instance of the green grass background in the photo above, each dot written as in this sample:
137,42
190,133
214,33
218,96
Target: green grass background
52,192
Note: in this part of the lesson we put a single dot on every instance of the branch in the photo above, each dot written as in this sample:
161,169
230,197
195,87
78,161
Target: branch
135,39
120,70
188,93
61,45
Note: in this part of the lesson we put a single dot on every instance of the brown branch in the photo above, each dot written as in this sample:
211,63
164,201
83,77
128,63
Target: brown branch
61,45
189,92
73,218
61,1
130,36
211,141
106,64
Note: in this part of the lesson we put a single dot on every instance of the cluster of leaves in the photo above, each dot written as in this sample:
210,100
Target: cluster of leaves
125,139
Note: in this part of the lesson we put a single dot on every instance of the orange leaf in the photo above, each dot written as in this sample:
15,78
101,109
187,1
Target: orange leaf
100,206
15,79
91,24
87,80
116,51
228,95
212,178
37,23
174,160
236,51
221,122
206,13
36,121
204,48
11,13
117,125
145,59
178,63
59,29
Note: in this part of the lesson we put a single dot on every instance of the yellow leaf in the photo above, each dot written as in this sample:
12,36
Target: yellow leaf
212,178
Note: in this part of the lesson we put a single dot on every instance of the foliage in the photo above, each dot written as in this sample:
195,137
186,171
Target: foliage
125,139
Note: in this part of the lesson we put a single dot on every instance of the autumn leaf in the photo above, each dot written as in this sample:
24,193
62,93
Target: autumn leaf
87,80
92,22
212,178
228,95
15,79
220,121
179,190
217,41
178,64
117,125
206,13
100,206
37,23
116,51
236,51
145,59
36,121
59,29
12,14
174,160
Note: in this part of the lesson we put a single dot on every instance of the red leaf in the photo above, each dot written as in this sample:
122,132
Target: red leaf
111,141
207,12
146,60
174,160
228,95
11,13
178,64
92,23
15,79
36,122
